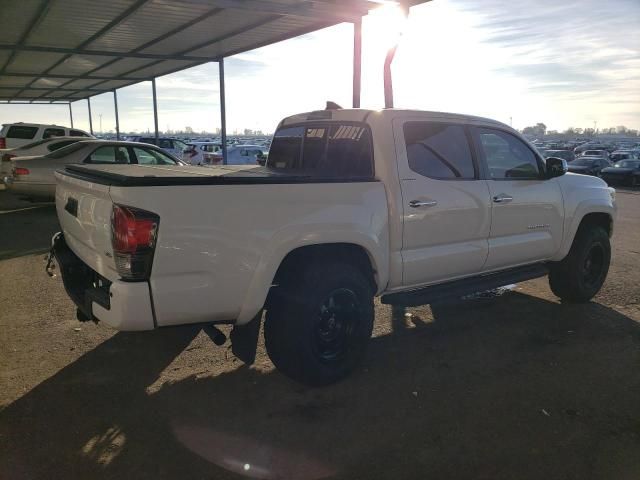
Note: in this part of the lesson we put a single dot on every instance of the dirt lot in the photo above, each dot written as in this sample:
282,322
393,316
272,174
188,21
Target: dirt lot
516,386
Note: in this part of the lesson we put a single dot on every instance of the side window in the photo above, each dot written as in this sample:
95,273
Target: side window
102,155
151,157
23,133
53,132
507,156
439,150
286,148
164,143
77,133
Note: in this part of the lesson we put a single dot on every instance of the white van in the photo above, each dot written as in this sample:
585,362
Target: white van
15,135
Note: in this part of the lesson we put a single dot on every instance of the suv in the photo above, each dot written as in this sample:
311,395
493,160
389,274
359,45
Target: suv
15,135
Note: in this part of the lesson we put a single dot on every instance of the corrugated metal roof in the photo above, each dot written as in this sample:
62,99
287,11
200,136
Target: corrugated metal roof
66,50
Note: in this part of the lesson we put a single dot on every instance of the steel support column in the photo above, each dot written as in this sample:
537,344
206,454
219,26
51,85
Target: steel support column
115,104
223,112
357,62
90,120
70,115
155,108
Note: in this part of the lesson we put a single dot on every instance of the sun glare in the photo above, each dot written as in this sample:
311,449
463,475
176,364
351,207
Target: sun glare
385,24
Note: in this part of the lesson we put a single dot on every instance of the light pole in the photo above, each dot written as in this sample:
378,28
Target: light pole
100,115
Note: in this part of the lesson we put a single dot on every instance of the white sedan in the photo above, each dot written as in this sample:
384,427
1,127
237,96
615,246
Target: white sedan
41,147
34,177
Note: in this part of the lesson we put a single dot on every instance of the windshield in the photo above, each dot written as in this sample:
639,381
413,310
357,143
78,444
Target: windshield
628,164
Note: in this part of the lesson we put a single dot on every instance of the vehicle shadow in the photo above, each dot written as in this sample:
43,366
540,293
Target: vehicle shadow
511,387
39,219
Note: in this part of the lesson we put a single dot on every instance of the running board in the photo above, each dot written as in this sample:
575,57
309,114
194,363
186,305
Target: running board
466,286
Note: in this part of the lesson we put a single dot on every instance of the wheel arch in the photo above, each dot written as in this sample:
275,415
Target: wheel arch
373,263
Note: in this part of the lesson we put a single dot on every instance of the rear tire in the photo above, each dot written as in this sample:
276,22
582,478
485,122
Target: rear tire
319,324
580,275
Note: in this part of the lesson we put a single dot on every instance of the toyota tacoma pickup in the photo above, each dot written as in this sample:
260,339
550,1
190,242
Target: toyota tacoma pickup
411,206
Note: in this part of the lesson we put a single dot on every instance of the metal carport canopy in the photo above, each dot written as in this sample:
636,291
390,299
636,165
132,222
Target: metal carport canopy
67,50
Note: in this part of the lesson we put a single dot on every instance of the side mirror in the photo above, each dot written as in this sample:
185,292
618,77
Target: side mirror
556,167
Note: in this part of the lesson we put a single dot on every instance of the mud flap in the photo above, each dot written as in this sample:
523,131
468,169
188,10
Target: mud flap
244,339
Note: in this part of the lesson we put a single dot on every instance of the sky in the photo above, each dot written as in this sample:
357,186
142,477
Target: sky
565,63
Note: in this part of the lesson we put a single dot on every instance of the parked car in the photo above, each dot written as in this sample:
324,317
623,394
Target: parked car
15,135
595,153
623,155
623,172
203,153
567,155
33,177
41,147
588,165
245,154
170,145
351,204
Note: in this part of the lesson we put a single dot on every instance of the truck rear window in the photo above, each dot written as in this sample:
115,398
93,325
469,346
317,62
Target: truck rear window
24,133
325,149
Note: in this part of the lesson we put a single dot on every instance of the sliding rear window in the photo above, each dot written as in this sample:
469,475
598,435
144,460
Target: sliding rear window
324,149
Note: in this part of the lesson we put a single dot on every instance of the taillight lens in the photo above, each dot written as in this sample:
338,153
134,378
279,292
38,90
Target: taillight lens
134,233
21,171
3,142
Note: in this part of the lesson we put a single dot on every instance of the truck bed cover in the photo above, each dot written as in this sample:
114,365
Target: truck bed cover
170,175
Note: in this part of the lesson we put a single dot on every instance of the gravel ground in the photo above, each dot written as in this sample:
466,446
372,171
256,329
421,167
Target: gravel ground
514,386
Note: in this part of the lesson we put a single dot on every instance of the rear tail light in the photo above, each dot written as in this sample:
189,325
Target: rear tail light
21,171
133,237
192,153
3,142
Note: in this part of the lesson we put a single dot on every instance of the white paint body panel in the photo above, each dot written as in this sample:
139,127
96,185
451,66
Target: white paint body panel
218,261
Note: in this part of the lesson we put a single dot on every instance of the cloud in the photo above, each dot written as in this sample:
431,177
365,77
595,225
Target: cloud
585,47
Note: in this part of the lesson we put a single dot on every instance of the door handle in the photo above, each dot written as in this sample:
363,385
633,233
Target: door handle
420,203
502,198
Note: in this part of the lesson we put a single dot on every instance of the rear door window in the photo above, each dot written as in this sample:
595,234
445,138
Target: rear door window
22,132
439,150
53,132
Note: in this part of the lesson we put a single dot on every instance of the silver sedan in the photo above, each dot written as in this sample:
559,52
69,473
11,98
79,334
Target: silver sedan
34,176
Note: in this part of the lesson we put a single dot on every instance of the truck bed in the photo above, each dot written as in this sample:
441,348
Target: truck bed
168,175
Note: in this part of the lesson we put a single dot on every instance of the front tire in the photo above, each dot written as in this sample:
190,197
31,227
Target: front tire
319,324
580,275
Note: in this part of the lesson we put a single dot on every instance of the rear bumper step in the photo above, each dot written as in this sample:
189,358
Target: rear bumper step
466,286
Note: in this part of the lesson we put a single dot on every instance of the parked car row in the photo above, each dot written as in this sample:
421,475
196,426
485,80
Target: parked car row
33,177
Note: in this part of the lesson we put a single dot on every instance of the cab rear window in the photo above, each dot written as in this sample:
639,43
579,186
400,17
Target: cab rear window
22,132
324,149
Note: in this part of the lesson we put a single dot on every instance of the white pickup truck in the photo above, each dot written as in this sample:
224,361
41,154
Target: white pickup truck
413,206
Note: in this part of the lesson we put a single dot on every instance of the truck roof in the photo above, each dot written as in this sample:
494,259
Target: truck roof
361,115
